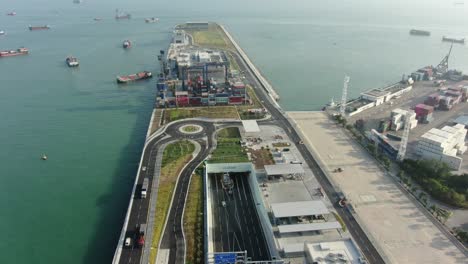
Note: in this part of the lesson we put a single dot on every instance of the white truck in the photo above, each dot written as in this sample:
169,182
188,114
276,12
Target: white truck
144,188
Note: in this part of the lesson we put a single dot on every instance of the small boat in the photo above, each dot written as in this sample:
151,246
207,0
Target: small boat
152,20
11,14
134,77
2,32
454,40
418,32
45,27
44,157
72,61
119,15
10,53
77,1
126,44
97,19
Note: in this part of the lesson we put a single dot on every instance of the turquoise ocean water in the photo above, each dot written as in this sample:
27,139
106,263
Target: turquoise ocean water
70,208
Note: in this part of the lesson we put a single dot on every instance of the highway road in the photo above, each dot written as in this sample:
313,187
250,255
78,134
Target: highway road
237,226
279,119
139,209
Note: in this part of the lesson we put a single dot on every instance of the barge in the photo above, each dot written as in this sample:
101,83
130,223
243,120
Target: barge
45,27
10,53
418,32
134,77
454,40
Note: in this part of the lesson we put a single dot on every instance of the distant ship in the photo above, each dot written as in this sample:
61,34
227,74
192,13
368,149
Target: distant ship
126,44
419,32
2,32
97,19
119,15
11,14
134,77
72,61
10,53
38,27
152,20
454,40
77,1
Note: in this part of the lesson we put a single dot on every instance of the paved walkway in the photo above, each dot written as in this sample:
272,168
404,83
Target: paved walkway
395,223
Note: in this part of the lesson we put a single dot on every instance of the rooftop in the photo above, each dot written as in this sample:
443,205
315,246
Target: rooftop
308,227
303,208
283,169
250,126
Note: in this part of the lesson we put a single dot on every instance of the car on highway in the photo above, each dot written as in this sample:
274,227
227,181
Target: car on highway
223,203
143,168
128,242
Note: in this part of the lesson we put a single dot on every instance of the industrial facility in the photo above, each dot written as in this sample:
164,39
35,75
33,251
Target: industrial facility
197,76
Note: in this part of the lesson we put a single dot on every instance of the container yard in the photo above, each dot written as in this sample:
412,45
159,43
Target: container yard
195,76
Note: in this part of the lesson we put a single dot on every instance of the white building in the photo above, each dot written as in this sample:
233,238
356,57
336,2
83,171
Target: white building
444,145
399,118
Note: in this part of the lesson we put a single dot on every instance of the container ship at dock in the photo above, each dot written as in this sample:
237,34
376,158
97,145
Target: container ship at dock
10,53
134,77
32,28
418,32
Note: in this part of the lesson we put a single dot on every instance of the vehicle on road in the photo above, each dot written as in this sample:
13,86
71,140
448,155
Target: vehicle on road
144,187
223,203
141,234
143,168
128,242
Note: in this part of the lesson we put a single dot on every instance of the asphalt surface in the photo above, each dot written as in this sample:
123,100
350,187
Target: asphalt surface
279,119
139,209
173,237
237,226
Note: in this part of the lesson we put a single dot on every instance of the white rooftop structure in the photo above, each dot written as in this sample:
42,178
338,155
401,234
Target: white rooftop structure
250,126
444,145
284,169
303,208
340,251
308,227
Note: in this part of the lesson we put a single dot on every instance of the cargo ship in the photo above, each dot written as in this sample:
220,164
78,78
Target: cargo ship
119,15
72,61
152,20
10,53
418,32
11,14
38,27
454,40
134,77
126,44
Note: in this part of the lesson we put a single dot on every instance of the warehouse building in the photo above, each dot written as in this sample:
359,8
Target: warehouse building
443,145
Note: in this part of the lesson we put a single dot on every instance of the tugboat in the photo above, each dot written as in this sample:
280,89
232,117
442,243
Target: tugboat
454,40
227,183
119,15
10,53
127,44
45,27
134,77
152,20
72,61
11,13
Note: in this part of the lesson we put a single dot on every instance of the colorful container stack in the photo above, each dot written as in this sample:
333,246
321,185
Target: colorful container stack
433,100
424,113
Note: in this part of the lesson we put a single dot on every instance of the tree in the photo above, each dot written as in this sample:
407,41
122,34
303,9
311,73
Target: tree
432,208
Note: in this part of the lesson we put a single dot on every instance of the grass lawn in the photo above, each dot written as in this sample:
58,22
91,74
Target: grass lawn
193,219
175,156
207,112
242,109
229,148
214,37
